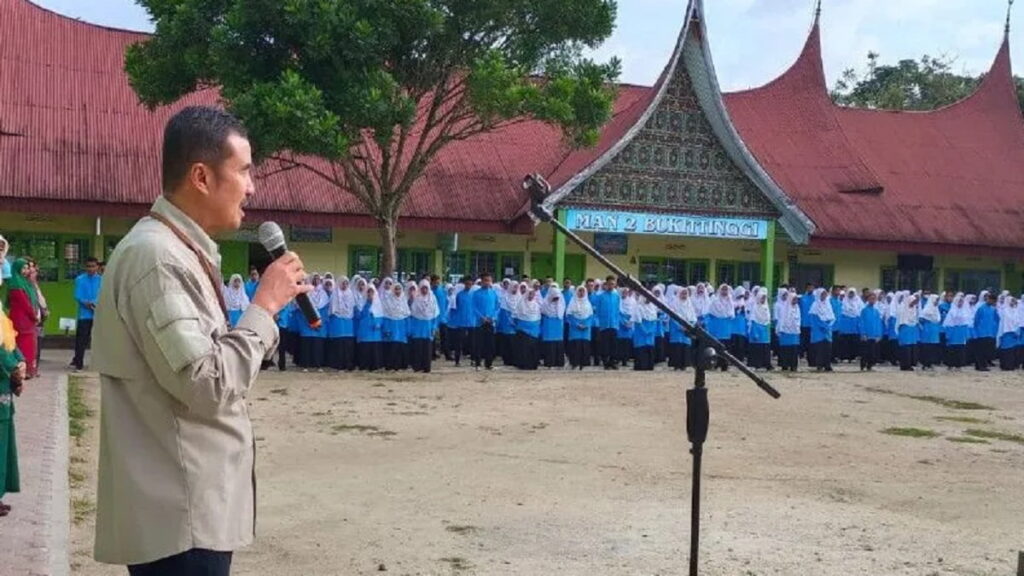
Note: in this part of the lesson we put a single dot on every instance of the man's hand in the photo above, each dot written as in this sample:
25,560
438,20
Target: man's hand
281,283
18,378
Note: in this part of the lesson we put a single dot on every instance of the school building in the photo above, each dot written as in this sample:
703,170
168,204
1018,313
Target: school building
769,185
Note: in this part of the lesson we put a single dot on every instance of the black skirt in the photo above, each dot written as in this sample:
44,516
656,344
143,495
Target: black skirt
680,356
312,352
759,355
421,353
788,357
370,355
396,355
643,358
554,354
956,356
341,353
579,353
527,350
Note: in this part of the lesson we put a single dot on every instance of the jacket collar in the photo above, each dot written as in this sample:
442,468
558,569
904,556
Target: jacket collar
191,229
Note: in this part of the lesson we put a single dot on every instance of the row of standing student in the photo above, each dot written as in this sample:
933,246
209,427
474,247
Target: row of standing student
529,325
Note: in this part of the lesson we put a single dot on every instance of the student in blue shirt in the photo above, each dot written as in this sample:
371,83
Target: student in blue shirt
552,328
504,333
788,327
370,332
252,283
284,347
607,310
395,327
720,318
579,317
738,339
624,332
422,322
444,293
958,326
847,325
236,300
87,293
341,327
680,346
661,327
485,316
986,326
907,321
645,326
462,319
836,300
929,347
944,305
314,340
1009,335
806,301
527,319
759,353
869,330
823,317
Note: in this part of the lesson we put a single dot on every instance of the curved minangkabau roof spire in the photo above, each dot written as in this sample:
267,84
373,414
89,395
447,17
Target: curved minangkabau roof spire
1009,12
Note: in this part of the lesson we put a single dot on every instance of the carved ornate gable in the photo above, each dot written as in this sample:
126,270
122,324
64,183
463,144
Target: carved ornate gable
675,163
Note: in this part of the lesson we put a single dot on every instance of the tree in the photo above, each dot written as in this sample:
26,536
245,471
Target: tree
376,88
909,85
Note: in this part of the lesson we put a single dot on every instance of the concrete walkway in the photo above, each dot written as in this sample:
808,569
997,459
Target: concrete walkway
34,537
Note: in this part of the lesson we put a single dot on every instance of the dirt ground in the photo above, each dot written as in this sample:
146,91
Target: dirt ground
504,473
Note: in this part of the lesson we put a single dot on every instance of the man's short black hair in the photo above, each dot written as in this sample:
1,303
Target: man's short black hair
92,260
486,275
193,135
611,278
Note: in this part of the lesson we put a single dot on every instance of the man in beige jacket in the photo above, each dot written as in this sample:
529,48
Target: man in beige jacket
176,465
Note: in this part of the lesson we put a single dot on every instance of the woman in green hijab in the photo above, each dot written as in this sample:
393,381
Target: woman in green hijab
23,309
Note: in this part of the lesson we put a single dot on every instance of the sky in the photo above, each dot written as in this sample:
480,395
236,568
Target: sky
753,41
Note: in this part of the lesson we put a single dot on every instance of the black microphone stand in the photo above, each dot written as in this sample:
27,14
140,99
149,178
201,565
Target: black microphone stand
709,350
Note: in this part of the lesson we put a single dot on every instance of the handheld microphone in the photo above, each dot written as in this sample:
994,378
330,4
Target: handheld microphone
272,239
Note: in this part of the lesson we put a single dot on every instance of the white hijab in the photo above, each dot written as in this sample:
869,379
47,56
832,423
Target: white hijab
395,307
580,307
528,307
789,318
761,313
553,306
1009,318
424,307
701,300
852,304
959,313
644,311
682,304
319,297
627,303
722,306
931,311
907,312
343,299
822,308
236,298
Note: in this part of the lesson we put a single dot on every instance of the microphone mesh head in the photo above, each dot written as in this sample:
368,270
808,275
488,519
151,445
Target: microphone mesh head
270,236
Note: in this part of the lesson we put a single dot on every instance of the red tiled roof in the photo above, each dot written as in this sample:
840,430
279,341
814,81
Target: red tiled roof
947,177
85,143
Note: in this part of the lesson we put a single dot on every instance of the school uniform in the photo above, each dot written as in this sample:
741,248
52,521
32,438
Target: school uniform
738,339
485,311
822,320
680,345
929,347
580,320
527,324
608,318
313,340
849,335
552,329
645,326
441,296
759,354
624,332
806,301
869,330
283,328
986,324
370,336
460,322
908,338
341,333
396,341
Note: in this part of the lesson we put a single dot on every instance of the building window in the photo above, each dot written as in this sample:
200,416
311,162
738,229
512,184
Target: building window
498,264
739,273
58,257
673,271
972,281
364,261
913,280
818,275
414,264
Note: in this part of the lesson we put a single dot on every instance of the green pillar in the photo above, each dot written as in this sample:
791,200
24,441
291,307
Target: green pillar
768,259
559,250
439,262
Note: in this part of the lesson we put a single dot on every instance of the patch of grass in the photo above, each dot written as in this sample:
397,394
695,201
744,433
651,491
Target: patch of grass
75,477
78,410
963,419
457,563
280,391
362,429
82,509
967,440
459,529
995,435
951,404
911,432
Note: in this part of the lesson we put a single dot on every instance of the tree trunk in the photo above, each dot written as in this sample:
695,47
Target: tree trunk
388,245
